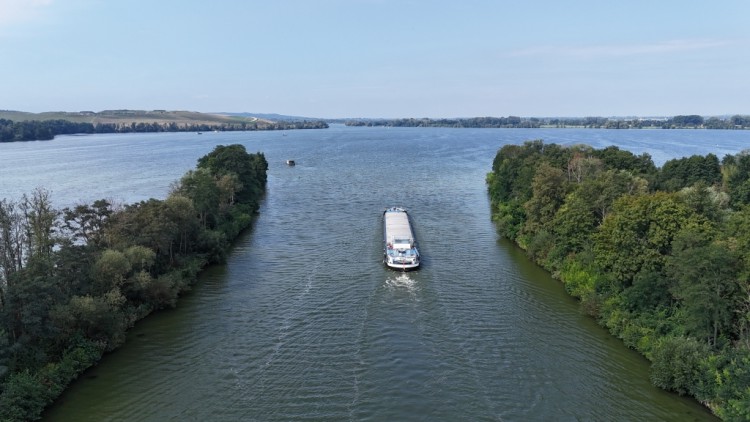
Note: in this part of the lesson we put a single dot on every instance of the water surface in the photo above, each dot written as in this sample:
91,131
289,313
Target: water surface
305,323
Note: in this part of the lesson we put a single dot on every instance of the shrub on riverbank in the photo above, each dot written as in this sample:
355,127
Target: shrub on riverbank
658,256
73,281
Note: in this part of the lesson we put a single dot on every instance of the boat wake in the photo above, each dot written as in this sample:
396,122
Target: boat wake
401,281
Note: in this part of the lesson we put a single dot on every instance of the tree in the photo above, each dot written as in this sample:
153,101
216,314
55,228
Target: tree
514,168
683,172
40,224
110,270
638,234
608,186
12,241
676,364
86,223
707,201
548,193
250,169
574,224
706,284
200,186
180,210
617,159
148,224
692,120
736,172
582,164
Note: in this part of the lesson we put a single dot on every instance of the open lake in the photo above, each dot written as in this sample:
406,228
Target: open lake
305,323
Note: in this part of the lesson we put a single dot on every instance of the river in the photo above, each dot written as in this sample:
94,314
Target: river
305,323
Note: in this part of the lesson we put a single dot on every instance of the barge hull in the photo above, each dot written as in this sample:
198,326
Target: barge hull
399,245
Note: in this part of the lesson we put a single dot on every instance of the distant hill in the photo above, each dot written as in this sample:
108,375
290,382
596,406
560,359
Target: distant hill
23,126
132,116
273,117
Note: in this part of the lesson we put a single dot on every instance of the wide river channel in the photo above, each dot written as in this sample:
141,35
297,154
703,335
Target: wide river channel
305,323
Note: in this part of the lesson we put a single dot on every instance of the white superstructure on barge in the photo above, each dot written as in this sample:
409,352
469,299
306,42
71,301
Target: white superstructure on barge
400,248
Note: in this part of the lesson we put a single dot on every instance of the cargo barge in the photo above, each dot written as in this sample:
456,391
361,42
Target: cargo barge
399,246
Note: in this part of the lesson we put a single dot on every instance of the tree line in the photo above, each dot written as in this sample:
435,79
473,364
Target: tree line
43,130
474,122
659,256
73,280
675,122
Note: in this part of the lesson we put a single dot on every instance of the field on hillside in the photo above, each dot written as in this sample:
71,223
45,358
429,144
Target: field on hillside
129,116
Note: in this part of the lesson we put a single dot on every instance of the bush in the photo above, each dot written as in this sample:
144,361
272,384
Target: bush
27,393
676,364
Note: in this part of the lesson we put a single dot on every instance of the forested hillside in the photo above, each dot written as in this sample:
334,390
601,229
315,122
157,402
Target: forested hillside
659,256
72,281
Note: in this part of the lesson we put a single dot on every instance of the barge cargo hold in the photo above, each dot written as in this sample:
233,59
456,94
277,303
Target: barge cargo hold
399,246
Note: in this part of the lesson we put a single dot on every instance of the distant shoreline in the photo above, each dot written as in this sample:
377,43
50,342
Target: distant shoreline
24,126
735,122
20,126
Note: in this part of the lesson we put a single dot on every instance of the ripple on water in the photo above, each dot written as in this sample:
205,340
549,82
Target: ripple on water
305,323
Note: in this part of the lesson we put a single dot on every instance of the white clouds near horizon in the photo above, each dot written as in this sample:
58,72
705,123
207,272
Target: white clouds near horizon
20,11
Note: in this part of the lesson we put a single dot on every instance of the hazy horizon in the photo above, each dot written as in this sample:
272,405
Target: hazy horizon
379,58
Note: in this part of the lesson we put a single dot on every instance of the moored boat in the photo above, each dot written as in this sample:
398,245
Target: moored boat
399,245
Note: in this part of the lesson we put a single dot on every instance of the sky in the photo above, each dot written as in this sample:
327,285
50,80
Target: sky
378,58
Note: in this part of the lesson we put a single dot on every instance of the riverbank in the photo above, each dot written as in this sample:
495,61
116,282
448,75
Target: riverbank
287,332
107,268
651,253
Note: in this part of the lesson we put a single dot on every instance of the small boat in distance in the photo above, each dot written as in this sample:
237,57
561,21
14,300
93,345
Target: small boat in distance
290,162
399,246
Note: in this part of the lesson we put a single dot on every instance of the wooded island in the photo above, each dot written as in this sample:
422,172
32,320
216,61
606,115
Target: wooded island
72,281
659,256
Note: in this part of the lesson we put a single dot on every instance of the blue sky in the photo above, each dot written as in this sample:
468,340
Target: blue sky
378,58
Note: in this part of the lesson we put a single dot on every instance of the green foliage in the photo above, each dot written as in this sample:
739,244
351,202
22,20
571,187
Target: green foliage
73,282
684,172
573,224
661,257
213,244
692,120
616,159
579,279
509,218
707,286
247,171
732,384
27,393
110,270
139,257
638,234
514,170
677,364
548,193
24,397
736,172
200,187
650,291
